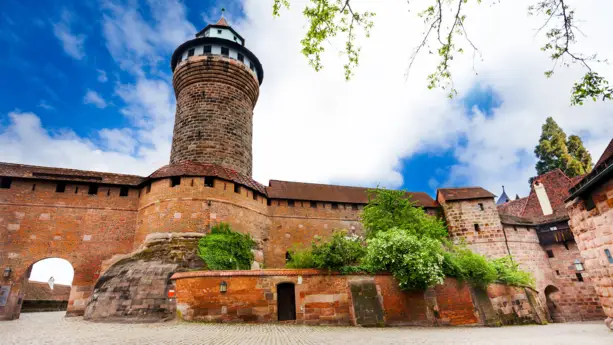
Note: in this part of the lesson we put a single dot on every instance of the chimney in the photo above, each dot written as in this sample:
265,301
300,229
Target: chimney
541,194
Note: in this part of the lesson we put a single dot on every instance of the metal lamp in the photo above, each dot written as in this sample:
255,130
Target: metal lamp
223,287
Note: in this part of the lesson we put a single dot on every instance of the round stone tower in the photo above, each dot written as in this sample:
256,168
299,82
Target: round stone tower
216,81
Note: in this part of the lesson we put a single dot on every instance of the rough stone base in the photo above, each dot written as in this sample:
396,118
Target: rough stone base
609,323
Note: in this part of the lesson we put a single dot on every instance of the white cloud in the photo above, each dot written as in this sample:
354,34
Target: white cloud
92,97
312,126
73,44
45,105
102,76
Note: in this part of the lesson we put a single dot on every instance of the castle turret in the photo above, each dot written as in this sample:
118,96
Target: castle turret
216,81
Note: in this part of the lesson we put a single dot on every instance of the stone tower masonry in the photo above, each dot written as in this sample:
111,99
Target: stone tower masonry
216,81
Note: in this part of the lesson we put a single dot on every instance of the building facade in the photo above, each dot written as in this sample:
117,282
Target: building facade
89,217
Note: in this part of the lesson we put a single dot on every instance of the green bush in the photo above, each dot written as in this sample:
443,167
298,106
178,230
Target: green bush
333,254
224,249
300,258
508,273
474,268
416,263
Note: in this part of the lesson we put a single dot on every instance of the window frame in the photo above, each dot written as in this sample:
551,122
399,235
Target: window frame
4,184
124,191
226,49
60,187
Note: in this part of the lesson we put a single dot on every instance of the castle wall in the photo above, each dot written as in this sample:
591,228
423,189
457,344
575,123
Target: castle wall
300,224
214,116
37,223
194,207
593,231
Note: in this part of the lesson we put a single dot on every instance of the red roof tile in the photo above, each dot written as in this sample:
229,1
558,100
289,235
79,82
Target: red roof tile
450,194
332,193
39,291
608,153
188,168
514,207
222,22
60,174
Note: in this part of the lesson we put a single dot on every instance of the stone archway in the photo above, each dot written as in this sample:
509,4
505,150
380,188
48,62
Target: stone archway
552,298
47,285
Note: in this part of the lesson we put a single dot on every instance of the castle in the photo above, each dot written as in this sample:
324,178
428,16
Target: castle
88,217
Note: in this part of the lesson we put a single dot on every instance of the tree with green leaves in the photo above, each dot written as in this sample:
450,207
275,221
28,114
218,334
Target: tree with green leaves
555,151
444,34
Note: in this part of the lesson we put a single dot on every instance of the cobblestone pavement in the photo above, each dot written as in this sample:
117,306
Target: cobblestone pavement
53,328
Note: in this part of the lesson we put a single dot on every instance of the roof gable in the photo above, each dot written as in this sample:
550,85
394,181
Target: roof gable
453,194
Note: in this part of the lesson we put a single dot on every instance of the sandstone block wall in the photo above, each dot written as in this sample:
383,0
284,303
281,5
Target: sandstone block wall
37,223
593,231
326,299
214,116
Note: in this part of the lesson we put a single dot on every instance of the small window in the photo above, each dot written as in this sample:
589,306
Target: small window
34,187
235,38
558,272
481,208
589,202
60,187
252,66
5,182
219,32
191,52
255,196
76,190
175,181
550,253
268,202
209,181
123,191
148,190
237,188
240,57
313,204
515,228
477,227
579,277
609,256
354,207
288,257
93,189
225,51
108,192
206,50
334,206
290,203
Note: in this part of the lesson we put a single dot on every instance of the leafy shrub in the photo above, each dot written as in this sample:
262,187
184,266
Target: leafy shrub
474,268
300,258
390,209
224,249
508,273
415,263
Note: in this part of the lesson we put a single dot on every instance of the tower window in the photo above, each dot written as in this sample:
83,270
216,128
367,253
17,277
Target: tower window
148,190
191,52
255,196
60,187
5,182
354,207
579,277
237,188
558,272
123,191
206,50
219,32
252,66
225,51
588,201
175,181
477,227
93,189
209,181
268,202
481,208
609,256
550,253
288,257
290,203
240,57
313,204
334,206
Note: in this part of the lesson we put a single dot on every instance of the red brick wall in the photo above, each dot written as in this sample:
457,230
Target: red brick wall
38,223
593,231
455,303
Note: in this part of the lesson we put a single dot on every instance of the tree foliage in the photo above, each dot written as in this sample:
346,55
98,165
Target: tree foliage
340,251
447,36
555,151
390,209
224,249
508,273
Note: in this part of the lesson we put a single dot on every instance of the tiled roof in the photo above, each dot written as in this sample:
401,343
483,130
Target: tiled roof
38,291
187,168
514,207
556,185
332,193
514,220
60,174
222,22
467,193
608,153
603,168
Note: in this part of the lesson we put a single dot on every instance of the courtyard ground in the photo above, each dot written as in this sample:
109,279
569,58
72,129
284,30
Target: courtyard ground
53,328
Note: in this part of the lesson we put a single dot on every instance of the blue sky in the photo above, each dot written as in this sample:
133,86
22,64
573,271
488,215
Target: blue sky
88,85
